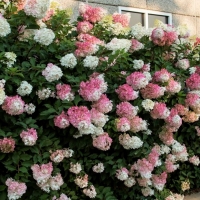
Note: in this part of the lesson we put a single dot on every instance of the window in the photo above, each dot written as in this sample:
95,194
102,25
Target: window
146,17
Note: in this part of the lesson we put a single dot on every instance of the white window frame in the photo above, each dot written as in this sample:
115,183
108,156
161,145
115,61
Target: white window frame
146,13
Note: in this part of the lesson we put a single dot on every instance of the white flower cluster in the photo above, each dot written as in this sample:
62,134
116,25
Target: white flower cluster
29,108
138,64
117,29
37,8
10,58
118,44
2,95
138,31
164,149
128,142
68,153
148,104
98,168
90,192
69,61
147,191
43,94
44,36
4,27
75,168
122,175
24,89
52,72
129,182
91,62
147,132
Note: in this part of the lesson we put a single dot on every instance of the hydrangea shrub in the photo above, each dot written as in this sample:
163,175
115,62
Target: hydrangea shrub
95,108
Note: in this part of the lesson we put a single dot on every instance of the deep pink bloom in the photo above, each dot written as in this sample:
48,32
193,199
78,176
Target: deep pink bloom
160,111
64,92
138,124
61,120
193,82
159,180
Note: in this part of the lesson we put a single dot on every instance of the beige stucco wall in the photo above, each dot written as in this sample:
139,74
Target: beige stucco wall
183,11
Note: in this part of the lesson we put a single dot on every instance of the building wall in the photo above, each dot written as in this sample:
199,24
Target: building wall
183,11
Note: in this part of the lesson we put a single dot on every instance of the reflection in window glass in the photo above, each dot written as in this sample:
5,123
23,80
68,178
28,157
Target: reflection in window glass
152,18
136,18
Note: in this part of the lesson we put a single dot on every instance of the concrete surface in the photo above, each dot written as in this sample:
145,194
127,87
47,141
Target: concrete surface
195,196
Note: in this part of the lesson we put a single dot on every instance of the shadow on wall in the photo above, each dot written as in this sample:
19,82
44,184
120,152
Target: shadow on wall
182,13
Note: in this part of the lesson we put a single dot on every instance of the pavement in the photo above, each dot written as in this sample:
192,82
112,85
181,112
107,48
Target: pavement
195,196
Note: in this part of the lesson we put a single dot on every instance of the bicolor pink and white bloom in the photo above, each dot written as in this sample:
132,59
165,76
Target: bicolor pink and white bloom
56,182
37,8
183,64
52,72
166,135
82,181
159,111
152,91
144,182
78,115
194,160
64,92
122,124
153,156
90,192
158,36
15,189
159,181
102,142
173,86
57,156
84,27
136,45
126,93
103,104
123,19
137,80
138,124
62,197
13,105
161,76
125,109
29,137
91,14
122,174
98,118
42,173
93,89
61,120
173,120
7,145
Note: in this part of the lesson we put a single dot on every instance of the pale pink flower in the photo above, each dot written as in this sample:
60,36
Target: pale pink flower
173,120
194,160
98,118
166,136
42,173
15,189
79,114
91,14
144,182
13,105
183,64
62,197
158,36
29,137
103,105
122,174
125,109
123,19
122,124
56,182
126,93
193,82
7,145
136,45
181,110
170,163
64,92
173,86
152,91
57,156
84,27
98,168
102,142
90,191
82,181
138,124
160,111
153,157
137,80
61,120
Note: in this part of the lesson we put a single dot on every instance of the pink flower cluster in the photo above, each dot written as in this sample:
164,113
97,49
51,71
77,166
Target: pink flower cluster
123,124
161,76
126,93
7,145
58,155
29,137
61,120
13,105
91,14
123,19
84,27
102,142
64,92
93,89
122,174
159,181
15,189
136,45
62,197
82,181
193,82
161,37
160,111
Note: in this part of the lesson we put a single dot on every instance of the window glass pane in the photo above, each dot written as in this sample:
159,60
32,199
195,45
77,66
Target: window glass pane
135,18
152,19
